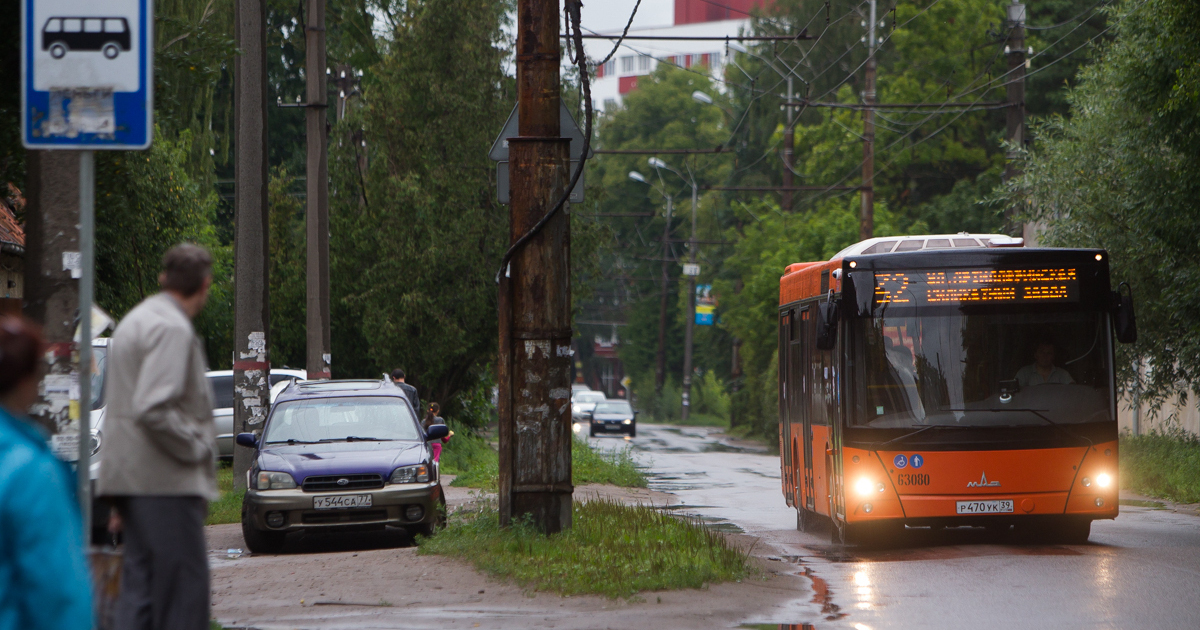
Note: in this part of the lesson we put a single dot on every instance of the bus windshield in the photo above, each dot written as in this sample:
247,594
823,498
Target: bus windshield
1015,369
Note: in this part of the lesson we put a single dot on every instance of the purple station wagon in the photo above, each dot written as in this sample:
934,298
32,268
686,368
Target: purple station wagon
340,456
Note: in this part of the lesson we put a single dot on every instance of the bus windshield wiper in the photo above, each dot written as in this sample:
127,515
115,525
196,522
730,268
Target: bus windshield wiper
921,430
1039,413
355,438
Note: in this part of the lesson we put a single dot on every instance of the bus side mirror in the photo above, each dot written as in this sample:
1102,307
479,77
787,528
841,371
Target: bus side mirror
1124,319
827,321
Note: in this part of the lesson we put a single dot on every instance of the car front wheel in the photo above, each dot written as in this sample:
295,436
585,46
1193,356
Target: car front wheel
257,540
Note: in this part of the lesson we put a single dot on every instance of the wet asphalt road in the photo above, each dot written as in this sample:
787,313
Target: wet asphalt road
1140,571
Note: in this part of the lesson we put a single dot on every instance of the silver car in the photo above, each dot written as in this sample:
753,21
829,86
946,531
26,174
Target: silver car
222,385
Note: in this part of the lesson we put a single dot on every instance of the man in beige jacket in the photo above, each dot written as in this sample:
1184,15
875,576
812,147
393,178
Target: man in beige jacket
159,450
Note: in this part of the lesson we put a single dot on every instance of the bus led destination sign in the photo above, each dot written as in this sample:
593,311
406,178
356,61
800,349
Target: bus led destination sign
963,286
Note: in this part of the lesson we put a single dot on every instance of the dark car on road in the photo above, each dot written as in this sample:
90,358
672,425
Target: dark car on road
614,416
340,456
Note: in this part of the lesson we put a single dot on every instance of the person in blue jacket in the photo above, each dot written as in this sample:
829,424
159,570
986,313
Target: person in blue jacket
44,580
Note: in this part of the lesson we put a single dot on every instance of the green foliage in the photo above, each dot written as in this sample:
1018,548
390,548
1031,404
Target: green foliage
415,231
611,549
288,272
227,509
1119,174
1162,465
147,202
478,465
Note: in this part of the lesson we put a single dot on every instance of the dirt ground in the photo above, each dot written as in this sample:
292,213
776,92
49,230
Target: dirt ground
377,580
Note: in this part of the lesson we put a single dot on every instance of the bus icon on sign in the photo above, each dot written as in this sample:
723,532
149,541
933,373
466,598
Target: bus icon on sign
107,35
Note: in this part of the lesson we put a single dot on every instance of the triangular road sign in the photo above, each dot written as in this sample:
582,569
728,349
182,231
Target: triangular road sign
568,129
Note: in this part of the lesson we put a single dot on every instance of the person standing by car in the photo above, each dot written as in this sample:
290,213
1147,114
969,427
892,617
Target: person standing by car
409,390
432,418
43,575
158,464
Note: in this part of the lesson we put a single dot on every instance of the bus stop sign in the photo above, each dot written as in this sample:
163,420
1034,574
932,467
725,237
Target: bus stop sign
87,74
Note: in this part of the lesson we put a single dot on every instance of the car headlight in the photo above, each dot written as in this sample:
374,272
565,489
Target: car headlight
576,427
1103,480
410,474
863,486
97,439
268,480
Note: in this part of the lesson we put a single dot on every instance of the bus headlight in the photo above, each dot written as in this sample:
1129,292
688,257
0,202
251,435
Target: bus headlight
1103,480
864,486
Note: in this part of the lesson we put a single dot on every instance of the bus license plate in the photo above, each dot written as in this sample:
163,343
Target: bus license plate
345,501
984,507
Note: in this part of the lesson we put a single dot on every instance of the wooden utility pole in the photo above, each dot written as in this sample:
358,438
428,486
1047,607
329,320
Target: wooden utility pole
867,220
251,324
1014,85
535,291
660,363
317,199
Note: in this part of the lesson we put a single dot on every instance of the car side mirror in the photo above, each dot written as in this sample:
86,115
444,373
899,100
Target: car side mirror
1124,319
827,323
249,440
436,432
635,413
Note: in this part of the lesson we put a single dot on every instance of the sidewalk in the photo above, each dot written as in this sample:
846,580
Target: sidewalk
1130,498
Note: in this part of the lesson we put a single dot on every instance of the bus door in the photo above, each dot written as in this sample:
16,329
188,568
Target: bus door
810,331
801,359
787,462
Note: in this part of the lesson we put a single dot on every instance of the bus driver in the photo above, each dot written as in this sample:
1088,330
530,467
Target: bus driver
1043,371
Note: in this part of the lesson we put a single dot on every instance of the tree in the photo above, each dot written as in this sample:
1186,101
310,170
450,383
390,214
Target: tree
1119,174
416,231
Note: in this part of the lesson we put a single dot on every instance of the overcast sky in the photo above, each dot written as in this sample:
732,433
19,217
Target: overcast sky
607,16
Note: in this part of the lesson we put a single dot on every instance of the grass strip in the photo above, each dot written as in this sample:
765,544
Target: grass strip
611,549
480,467
228,507
1162,465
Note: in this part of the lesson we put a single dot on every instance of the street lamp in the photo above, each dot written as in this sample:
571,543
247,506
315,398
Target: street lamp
701,97
660,363
691,317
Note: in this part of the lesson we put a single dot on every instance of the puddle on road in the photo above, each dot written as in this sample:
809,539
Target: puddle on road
840,554
778,626
755,472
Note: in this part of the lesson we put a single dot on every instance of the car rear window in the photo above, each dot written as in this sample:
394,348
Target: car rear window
336,419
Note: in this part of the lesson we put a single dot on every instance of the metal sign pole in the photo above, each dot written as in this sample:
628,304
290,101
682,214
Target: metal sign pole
87,232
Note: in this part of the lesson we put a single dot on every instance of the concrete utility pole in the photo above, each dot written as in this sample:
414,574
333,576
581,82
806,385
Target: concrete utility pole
789,145
867,222
317,199
51,293
252,321
535,291
660,363
1014,84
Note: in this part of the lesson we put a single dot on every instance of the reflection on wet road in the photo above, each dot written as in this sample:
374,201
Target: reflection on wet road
1140,571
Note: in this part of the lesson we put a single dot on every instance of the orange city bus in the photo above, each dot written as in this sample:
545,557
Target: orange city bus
950,380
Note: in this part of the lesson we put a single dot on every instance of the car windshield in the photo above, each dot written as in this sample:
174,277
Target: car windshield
338,419
981,370
589,397
613,407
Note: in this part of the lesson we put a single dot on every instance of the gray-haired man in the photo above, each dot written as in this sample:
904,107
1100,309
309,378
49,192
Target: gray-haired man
159,450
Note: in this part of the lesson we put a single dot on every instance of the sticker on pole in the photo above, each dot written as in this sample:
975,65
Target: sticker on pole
87,74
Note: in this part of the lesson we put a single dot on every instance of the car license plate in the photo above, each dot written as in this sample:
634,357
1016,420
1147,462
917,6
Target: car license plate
345,501
984,507
612,427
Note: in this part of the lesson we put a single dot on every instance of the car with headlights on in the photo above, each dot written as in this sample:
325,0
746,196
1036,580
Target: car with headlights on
613,416
340,456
